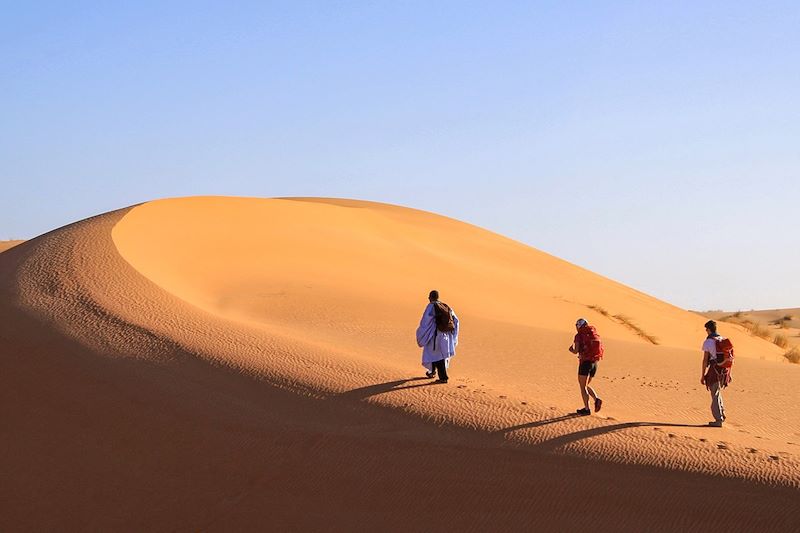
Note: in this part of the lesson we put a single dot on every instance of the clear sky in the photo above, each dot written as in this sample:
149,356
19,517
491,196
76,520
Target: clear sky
657,143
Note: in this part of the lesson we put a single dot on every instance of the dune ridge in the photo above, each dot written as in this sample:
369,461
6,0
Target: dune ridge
207,342
5,245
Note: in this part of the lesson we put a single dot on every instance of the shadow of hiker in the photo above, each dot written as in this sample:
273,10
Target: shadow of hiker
538,423
557,442
380,388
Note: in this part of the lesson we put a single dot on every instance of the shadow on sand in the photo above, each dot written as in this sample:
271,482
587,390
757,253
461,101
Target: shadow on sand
547,446
389,386
563,440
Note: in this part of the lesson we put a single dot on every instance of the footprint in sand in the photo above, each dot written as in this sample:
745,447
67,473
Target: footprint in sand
774,458
703,440
752,450
462,386
502,397
722,446
524,403
672,435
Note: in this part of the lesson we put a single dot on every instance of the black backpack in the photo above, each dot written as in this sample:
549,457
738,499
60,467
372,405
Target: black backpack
443,317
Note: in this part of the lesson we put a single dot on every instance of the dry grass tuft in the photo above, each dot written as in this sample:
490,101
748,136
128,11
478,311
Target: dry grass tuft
781,340
639,331
759,330
793,355
626,321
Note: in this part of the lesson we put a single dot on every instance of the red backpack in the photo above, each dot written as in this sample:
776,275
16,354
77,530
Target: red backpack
590,343
725,355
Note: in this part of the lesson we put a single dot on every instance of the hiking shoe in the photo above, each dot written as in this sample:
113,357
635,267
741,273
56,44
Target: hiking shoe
430,374
715,424
598,403
441,380
584,412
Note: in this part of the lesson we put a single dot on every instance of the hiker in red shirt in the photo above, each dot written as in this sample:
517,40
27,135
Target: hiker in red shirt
589,347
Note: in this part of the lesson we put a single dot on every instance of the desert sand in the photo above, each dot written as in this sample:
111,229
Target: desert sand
229,364
775,323
5,245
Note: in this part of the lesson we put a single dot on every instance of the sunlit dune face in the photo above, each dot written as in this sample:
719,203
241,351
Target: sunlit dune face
331,262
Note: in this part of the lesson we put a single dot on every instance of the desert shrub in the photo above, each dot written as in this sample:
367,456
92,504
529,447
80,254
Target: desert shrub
639,331
781,340
793,355
759,330
599,309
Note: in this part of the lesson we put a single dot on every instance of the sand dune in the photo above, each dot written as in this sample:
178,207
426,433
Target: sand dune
228,364
5,245
775,323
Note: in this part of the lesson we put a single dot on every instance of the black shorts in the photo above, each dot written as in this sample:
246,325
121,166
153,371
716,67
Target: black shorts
587,368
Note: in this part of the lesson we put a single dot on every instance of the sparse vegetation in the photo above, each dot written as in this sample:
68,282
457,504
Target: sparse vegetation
599,310
626,321
639,331
758,330
736,318
793,355
781,340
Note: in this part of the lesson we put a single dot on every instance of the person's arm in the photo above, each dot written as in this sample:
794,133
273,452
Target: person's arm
426,326
574,348
706,359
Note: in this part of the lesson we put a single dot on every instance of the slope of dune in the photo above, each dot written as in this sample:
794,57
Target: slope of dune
775,323
5,245
227,363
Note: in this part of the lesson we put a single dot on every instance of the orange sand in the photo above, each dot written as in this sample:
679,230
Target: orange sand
5,245
229,364
778,323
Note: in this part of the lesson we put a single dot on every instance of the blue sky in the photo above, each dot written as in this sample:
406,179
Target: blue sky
654,143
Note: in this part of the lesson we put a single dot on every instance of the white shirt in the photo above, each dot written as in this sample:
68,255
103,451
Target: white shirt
710,346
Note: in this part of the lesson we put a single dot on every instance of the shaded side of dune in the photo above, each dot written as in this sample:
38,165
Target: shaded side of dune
92,442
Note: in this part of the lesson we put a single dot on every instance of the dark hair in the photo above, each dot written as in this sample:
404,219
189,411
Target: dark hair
711,325
433,296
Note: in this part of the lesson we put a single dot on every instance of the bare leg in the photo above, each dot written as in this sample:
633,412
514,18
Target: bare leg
582,383
589,389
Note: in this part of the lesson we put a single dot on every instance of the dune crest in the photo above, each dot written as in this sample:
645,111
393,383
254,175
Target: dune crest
246,258
223,362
